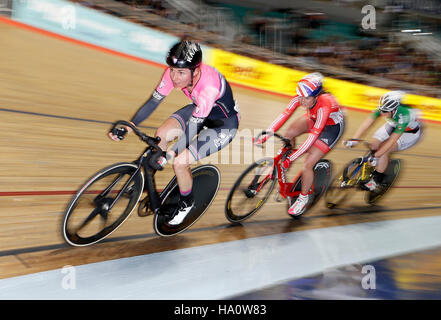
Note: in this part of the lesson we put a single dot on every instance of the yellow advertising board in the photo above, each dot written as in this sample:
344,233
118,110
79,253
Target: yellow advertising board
282,80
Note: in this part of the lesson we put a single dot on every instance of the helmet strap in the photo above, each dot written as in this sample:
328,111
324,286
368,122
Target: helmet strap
192,74
315,102
394,112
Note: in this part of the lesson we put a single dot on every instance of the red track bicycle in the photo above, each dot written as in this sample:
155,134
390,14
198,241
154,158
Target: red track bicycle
254,186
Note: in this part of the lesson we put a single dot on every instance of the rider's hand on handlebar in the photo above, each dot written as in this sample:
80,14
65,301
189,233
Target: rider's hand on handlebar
372,159
350,143
258,142
117,134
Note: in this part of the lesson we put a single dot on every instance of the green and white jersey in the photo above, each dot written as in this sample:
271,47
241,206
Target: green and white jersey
404,119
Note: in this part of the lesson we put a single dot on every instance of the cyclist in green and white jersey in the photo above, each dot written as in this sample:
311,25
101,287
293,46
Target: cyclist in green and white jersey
402,130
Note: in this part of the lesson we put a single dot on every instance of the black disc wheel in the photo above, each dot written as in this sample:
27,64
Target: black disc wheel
102,204
206,181
391,174
251,190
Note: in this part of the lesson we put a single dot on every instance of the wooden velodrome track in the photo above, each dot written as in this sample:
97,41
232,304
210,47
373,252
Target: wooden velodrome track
57,100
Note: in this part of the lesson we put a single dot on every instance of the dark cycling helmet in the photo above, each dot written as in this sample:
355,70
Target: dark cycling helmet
390,101
185,54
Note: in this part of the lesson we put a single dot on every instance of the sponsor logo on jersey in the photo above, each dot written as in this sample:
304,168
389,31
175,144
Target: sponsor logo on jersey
157,95
222,139
197,120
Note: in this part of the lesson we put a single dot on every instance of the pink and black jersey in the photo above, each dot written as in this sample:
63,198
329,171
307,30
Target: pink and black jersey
211,95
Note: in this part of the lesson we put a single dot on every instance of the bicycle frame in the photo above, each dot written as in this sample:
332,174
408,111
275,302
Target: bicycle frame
286,189
365,168
149,172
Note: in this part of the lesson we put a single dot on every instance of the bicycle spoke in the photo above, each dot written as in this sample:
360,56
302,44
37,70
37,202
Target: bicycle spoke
106,191
86,221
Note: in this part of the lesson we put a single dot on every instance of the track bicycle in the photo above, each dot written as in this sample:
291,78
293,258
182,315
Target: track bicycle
254,186
108,198
353,177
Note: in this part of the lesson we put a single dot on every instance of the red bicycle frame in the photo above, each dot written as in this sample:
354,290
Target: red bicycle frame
286,189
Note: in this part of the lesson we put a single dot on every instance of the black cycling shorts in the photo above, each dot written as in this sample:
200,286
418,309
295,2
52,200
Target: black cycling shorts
215,135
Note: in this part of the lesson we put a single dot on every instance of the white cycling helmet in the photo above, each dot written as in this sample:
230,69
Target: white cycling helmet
390,101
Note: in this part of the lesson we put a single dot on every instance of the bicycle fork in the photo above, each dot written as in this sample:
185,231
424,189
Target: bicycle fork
150,184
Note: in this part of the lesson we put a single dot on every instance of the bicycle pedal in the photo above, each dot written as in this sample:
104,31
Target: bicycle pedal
144,208
145,213
250,193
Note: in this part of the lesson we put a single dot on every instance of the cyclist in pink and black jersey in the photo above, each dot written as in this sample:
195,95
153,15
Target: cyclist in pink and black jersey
213,116
324,123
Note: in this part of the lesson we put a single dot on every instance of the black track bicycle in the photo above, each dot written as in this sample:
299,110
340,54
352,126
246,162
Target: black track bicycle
108,198
353,177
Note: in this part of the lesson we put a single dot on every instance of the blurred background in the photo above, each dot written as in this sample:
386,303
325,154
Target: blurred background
399,48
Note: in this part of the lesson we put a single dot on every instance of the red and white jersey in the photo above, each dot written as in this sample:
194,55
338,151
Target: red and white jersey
325,112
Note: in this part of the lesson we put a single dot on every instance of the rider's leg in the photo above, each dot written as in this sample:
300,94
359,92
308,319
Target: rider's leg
174,126
181,166
383,161
313,155
379,138
207,142
168,131
381,166
375,144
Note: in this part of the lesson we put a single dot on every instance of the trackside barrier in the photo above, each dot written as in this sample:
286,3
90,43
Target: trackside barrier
88,25
265,76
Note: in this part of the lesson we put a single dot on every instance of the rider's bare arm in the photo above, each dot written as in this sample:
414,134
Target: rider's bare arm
289,110
363,127
322,118
281,119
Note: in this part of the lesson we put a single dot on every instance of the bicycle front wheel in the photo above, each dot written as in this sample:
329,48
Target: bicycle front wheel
343,183
251,190
102,204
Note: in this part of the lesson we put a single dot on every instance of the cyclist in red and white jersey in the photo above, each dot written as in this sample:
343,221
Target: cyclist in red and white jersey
324,123
213,116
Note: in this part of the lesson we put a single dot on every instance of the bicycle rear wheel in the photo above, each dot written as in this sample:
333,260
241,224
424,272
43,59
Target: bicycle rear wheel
206,181
251,190
322,175
87,218
391,174
343,183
